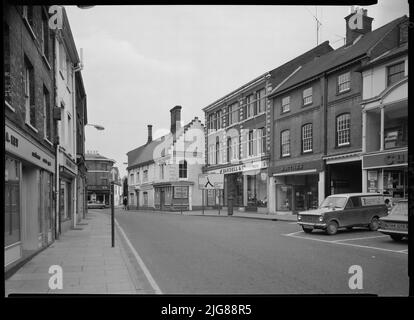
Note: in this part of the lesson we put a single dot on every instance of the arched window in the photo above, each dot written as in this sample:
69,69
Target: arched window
343,125
182,169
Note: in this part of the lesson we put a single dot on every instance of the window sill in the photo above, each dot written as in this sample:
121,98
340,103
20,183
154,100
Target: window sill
307,105
285,112
46,61
338,93
285,156
8,105
307,152
31,127
343,145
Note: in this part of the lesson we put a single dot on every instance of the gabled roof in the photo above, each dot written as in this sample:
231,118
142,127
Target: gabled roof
144,154
390,54
277,74
339,56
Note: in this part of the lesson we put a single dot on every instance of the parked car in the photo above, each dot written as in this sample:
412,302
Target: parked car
345,210
396,223
96,205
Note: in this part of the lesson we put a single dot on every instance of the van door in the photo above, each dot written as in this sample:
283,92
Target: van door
351,215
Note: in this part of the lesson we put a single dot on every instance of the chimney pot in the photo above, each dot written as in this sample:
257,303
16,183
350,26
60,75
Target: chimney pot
359,25
149,133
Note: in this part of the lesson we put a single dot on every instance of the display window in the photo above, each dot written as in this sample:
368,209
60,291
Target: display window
12,232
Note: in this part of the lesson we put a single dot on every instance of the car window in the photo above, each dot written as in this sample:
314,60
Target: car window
333,202
353,202
401,208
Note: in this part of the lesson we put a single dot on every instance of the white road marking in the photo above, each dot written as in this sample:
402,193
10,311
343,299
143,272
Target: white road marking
363,238
141,263
294,235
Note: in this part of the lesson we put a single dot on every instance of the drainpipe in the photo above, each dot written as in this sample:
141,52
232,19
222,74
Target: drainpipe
57,189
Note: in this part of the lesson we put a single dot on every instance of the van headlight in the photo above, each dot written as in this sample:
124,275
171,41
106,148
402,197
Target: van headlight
320,218
299,217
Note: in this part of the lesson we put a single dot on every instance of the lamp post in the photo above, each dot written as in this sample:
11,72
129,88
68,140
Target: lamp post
113,171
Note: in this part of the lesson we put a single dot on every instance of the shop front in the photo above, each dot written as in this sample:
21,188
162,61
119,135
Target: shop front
67,193
246,183
386,172
173,196
28,211
298,186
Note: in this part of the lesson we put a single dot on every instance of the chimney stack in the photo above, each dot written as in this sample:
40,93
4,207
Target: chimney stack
149,133
357,23
175,119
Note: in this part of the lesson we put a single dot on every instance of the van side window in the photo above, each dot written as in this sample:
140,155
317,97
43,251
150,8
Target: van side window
353,202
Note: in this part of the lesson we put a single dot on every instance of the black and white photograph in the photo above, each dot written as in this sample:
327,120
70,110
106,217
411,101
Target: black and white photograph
155,149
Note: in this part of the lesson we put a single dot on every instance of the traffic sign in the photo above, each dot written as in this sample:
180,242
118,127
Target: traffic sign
211,181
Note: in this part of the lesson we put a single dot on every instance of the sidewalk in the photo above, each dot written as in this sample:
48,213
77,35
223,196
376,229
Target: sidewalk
279,216
89,264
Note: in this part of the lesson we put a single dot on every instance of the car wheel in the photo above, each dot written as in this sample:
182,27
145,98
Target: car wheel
332,228
396,237
307,229
374,225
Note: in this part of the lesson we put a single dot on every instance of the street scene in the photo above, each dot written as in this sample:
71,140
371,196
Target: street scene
207,150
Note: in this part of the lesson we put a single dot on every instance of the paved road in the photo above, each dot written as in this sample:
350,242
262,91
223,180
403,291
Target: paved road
228,255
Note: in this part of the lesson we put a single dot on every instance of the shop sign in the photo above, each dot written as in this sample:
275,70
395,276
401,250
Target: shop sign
211,181
311,165
233,169
20,146
385,159
70,165
257,165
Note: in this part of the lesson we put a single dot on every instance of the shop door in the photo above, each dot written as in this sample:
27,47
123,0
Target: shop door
162,199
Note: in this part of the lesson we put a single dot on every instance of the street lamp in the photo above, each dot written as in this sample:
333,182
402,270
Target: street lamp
96,126
113,171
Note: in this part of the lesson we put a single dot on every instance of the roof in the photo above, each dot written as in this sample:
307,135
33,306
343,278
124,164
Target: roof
338,57
144,154
96,156
390,54
277,74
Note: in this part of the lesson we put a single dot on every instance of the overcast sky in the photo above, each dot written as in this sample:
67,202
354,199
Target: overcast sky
140,61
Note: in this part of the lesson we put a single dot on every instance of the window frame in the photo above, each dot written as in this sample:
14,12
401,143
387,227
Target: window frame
348,130
282,144
402,63
307,139
183,169
339,83
305,97
283,110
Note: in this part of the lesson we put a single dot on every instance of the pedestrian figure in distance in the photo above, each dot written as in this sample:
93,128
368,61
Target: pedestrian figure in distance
388,204
125,203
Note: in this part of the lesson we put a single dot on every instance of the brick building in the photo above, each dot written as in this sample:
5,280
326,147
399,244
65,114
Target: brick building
99,177
238,137
317,121
30,131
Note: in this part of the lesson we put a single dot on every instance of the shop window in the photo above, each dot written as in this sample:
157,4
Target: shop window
285,143
11,201
395,72
307,138
396,183
307,96
395,137
286,104
344,82
257,190
182,169
343,125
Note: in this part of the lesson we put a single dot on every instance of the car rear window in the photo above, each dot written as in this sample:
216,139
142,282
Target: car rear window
401,208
